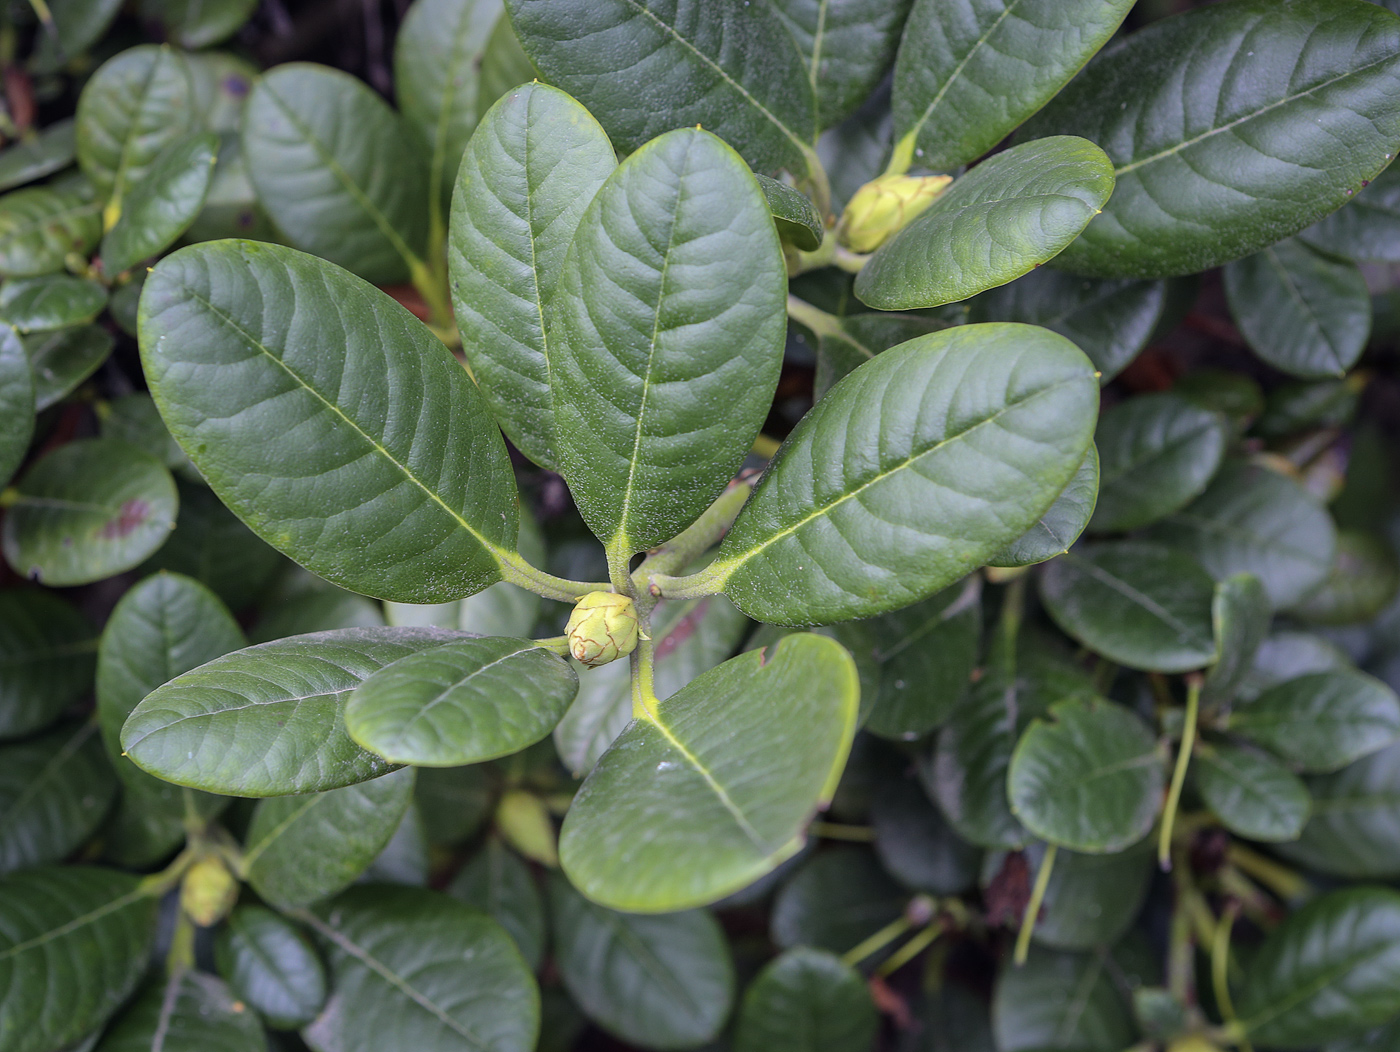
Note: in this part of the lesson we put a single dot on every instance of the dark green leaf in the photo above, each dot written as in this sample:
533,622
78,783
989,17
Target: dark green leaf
54,301
54,791
1091,900
49,150
47,656
64,359
163,205
1321,721
797,219
1286,655
860,338
503,66
199,23
317,611
1061,1001
916,844
498,883
1367,227
1063,522
806,1001
1363,579
16,404
1241,614
1255,796
188,1012
271,965
78,24
1301,405
1354,829
836,900
134,419
454,802
40,227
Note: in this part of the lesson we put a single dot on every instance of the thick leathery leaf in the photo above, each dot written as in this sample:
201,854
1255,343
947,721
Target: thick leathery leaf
74,941
1063,522
1091,900
54,791
1030,1009
498,883
1089,779
1354,828
272,966
726,772
1159,451
16,404
643,67
970,71
1241,615
465,702
806,1000
1287,654
1110,321
847,47
403,490
64,359
914,470
1139,604
915,844
797,219
1301,310
189,1011
1280,116
669,330
534,164
266,721
1367,227
660,982
199,23
54,301
47,656
301,849
414,969
88,510
1013,212
1330,970
49,150
1254,796
39,227
162,205
336,170
1254,520
1321,721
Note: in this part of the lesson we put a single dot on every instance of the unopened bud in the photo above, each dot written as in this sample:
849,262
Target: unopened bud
602,628
886,205
208,891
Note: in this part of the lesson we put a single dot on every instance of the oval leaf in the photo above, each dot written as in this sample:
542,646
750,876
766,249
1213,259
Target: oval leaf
1354,830
49,150
1367,227
272,966
47,656
846,46
64,359
1254,796
498,883
1321,721
16,404
189,1012
162,206
54,301
1063,522
797,219
807,1001
39,228
54,791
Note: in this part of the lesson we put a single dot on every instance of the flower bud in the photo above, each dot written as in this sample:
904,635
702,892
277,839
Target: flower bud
886,205
208,891
602,628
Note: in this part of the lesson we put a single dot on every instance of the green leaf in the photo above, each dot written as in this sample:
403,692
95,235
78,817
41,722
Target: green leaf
78,24
163,205
56,985
1361,582
1089,779
643,67
455,802
914,470
1110,321
1367,227
316,142
271,966
835,901
54,301
317,611
266,721
88,510
504,66
806,1000
915,843
797,219
1063,522
16,404
725,773
1330,970
47,656
412,969
1254,796
54,791
195,24
1321,721
131,109
969,72
499,884
64,359
1032,1008
402,488
189,1011
660,982
1013,212
41,226
670,304
1138,604
1287,654
1286,113
134,419
301,849
1301,310
49,150
861,337
1354,828
1241,615
1091,900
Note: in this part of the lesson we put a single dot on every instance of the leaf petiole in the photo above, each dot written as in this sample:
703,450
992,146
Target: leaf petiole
518,571
1183,760
1032,914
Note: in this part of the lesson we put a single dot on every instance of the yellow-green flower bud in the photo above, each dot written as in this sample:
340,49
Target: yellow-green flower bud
886,205
208,891
602,628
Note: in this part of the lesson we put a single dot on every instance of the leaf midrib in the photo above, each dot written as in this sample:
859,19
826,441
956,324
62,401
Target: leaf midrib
957,70
90,917
1115,583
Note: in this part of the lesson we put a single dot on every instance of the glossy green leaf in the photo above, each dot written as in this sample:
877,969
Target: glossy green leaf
403,490
919,467
1321,721
535,163
188,1011
726,773
54,791
163,205
1241,615
1301,310
271,966
266,721
1063,522
1138,604
88,510
57,984
836,900
78,24
797,219
498,883
1091,900
40,227
199,23
336,170
860,338
1286,112
1033,1009
1287,654
661,982
412,969
1329,970
643,67
301,849
131,109
970,71
806,1000
1013,212
1362,581
916,844
847,47
1367,227
1254,796
49,150
670,306
47,656
63,359
1354,828
54,301
16,404
1159,451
